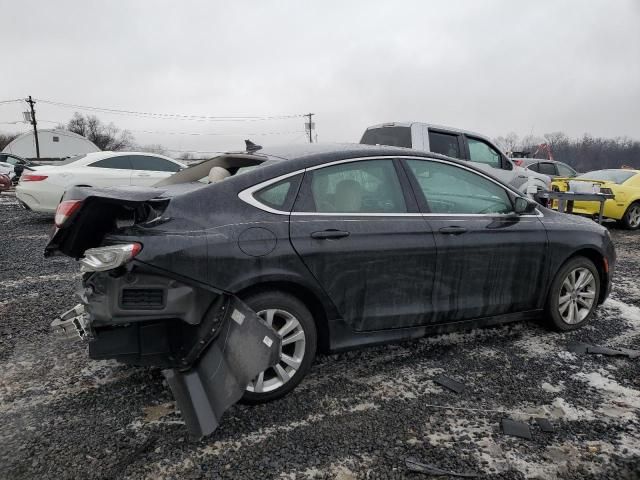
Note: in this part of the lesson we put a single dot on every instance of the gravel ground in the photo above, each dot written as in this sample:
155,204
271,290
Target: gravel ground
357,415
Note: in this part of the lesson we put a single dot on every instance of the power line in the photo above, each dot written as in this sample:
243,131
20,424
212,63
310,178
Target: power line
172,116
218,134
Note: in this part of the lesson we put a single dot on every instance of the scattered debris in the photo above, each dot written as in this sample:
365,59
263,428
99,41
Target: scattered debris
415,465
545,425
577,347
449,383
156,412
516,429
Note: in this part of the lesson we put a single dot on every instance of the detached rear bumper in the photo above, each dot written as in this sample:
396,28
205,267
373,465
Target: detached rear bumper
210,344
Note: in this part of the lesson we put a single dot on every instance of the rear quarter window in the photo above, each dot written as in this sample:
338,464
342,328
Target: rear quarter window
280,195
392,136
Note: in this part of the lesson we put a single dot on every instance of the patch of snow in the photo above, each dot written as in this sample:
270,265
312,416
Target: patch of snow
619,401
547,387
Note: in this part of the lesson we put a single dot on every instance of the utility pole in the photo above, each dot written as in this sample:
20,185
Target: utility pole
31,103
310,125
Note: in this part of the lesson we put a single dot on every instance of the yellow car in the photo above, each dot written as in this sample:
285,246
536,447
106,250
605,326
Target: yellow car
623,183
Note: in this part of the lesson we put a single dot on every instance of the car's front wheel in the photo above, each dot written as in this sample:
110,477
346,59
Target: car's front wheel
291,319
574,294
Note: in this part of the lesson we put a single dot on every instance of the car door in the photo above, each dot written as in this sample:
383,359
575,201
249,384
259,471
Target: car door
148,169
486,157
490,260
357,228
108,172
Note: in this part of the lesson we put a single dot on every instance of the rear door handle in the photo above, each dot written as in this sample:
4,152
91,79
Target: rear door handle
454,230
327,234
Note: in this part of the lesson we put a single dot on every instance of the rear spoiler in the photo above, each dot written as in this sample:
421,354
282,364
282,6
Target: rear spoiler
573,179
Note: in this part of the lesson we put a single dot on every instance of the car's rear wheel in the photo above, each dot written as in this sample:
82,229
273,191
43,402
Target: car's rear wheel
574,294
631,218
291,319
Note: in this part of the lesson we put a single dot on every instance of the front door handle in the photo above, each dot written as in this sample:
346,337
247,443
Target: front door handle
454,230
327,234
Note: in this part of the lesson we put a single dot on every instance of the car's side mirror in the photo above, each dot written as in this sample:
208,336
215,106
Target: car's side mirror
524,205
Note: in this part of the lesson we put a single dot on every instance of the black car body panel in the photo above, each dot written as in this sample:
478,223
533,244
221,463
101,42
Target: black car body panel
366,278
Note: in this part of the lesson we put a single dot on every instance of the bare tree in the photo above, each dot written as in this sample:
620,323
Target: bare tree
151,148
6,139
585,153
106,137
509,142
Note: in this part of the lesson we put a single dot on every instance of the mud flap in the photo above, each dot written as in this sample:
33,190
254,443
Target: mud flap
244,347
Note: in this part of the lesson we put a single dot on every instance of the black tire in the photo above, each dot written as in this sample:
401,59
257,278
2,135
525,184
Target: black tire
629,219
555,315
284,303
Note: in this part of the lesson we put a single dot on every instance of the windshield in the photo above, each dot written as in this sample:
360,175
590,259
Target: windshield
392,136
615,176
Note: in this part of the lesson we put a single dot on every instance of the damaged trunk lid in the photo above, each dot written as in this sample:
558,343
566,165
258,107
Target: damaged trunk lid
87,214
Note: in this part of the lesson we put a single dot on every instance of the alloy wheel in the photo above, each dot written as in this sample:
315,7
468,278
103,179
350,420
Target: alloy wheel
577,295
293,348
634,216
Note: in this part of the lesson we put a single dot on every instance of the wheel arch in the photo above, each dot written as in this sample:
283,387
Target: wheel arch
598,260
305,295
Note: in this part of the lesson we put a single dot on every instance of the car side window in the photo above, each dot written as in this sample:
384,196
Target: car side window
365,186
280,195
153,164
122,162
452,189
548,168
444,143
481,152
565,170
535,167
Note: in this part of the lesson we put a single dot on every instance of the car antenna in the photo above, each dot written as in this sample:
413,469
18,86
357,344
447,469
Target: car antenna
252,147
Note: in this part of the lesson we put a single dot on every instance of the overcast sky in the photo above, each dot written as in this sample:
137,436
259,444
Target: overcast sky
489,66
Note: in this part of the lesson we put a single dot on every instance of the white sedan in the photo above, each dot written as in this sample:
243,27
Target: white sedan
41,188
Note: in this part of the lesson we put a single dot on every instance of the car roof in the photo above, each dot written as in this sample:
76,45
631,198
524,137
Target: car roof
95,156
429,125
291,158
311,153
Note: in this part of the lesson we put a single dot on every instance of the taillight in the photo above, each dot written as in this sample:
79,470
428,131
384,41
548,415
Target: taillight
65,210
32,177
518,162
107,258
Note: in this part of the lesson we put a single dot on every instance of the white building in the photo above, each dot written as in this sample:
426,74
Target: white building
53,144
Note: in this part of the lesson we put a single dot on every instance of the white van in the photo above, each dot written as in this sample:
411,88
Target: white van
452,142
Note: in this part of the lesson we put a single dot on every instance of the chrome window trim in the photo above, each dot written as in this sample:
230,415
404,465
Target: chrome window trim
246,195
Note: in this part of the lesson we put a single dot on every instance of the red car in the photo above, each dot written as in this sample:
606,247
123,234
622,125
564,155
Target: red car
5,182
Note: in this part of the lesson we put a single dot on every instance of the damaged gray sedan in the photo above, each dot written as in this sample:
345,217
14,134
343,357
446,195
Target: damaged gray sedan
232,274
